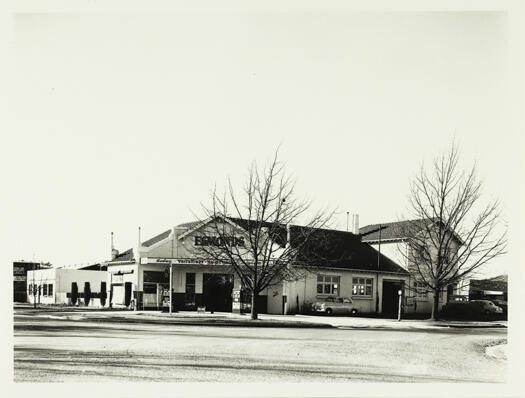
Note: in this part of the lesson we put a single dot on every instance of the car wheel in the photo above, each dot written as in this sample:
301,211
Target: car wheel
354,311
328,311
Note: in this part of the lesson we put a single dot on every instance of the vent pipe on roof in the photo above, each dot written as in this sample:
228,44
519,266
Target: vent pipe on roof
138,254
114,252
355,224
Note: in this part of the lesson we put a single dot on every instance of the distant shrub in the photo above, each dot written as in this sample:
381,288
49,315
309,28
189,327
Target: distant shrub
87,293
103,294
74,293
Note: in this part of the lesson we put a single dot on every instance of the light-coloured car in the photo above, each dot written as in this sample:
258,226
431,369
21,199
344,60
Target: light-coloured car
334,305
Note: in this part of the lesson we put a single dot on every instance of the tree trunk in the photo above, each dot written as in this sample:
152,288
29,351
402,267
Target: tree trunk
435,305
253,313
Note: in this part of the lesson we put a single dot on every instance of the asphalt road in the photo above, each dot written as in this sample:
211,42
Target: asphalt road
49,348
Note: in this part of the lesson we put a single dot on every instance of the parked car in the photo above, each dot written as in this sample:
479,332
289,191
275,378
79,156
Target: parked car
475,309
502,304
334,305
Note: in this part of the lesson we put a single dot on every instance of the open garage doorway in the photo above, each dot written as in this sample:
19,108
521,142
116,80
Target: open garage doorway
390,303
217,292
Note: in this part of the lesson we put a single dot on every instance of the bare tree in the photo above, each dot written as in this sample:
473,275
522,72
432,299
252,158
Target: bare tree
264,210
454,233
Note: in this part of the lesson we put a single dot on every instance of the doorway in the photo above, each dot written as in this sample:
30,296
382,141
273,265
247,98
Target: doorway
390,305
217,292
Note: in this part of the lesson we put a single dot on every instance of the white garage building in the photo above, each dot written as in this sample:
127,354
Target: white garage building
56,286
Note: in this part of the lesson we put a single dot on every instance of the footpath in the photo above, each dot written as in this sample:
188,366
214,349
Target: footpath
341,322
243,320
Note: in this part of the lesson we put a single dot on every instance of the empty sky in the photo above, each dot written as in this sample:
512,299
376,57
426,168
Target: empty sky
121,120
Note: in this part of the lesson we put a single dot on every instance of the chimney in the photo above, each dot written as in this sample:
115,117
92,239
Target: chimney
114,252
287,236
355,224
139,249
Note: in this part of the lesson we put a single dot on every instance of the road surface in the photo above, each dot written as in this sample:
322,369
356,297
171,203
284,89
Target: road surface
50,348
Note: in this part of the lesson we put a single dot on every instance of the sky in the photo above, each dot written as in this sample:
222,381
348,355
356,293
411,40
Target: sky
127,120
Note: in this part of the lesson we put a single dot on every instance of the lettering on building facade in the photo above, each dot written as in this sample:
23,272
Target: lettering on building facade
219,241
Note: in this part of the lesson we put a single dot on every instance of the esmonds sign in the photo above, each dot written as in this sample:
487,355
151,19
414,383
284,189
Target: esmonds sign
218,240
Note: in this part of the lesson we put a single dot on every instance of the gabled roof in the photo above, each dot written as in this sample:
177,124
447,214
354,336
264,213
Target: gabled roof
128,254
189,225
341,249
328,247
395,230
389,231
325,247
157,238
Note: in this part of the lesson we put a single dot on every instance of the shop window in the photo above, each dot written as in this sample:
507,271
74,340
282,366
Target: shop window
150,288
328,284
362,286
156,277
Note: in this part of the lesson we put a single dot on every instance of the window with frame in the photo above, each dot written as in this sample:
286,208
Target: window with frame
328,284
50,289
149,288
30,289
362,286
420,290
44,289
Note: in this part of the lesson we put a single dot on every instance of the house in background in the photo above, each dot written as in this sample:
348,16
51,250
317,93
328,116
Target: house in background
489,289
391,240
20,269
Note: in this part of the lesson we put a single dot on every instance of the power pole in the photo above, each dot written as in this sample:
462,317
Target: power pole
171,284
34,286
378,264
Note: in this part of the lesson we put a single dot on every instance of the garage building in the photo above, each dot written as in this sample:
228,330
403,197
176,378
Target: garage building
57,286
140,277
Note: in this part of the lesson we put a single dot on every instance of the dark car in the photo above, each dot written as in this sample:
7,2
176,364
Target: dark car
502,304
471,310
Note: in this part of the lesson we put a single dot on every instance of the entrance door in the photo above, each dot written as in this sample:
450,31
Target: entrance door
127,293
217,292
390,304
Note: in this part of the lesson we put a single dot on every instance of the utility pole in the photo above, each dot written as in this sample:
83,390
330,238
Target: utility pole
347,214
34,289
34,286
171,284
378,264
